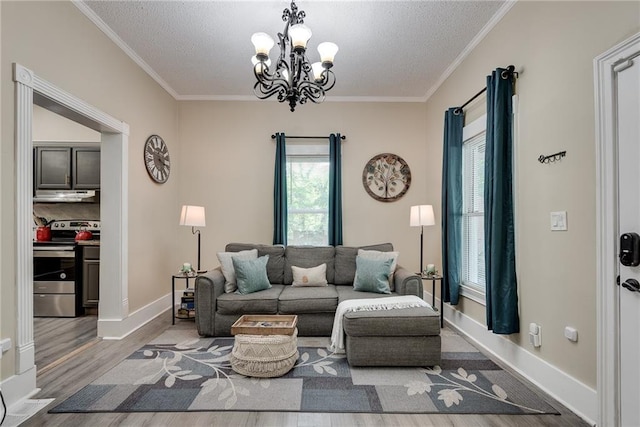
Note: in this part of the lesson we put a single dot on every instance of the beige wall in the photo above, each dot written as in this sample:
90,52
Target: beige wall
49,126
61,45
227,157
555,43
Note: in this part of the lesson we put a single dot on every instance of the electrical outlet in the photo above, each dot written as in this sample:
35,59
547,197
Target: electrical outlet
535,335
5,344
571,333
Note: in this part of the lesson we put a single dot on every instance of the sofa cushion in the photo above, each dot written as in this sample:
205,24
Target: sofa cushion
314,276
226,265
416,321
296,300
261,302
251,274
275,266
372,275
381,255
345,261
308,256
347,292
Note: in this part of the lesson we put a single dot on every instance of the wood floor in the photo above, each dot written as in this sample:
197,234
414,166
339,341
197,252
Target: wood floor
64,379
56,337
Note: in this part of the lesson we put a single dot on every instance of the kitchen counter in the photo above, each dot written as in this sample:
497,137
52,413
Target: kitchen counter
88,242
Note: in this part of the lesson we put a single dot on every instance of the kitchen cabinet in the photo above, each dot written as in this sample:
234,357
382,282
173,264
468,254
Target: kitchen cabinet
67,168
90,276
53,168
86,168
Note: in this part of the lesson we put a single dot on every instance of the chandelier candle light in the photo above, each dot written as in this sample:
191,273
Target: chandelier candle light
193,216
420,216
294,78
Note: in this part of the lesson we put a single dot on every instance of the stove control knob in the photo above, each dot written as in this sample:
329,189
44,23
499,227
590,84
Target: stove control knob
62,225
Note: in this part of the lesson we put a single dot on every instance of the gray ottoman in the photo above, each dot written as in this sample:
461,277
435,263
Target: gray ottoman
398,337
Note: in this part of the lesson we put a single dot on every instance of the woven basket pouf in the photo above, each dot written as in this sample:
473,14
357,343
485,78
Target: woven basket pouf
264,356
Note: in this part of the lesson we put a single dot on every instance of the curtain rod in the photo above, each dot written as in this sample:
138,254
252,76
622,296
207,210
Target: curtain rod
308,137
511,70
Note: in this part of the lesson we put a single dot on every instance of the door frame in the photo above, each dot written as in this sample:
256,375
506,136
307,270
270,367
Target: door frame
30,89
608,316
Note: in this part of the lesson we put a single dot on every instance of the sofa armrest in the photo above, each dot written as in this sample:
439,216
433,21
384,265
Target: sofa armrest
407,283
209,287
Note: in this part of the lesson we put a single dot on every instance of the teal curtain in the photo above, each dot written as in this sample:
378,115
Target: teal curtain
280,192
335,190
452,204
500,259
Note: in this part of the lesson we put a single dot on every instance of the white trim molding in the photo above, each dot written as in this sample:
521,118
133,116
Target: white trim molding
31,89
20,386
118,329
608,316
575,395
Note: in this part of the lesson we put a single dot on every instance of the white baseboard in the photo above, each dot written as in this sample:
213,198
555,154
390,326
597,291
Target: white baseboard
116,329
578,397
19,386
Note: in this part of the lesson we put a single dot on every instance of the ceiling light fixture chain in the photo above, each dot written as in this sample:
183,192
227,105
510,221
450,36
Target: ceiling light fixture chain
296,80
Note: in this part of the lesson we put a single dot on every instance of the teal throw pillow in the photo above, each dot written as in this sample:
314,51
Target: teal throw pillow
251,274
372,275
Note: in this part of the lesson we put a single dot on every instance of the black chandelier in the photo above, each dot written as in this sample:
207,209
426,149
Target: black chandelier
295,80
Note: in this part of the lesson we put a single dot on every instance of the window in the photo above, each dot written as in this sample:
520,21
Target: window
473,265
307,194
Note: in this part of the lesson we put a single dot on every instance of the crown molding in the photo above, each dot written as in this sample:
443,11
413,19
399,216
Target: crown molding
89,13
252,98
471,46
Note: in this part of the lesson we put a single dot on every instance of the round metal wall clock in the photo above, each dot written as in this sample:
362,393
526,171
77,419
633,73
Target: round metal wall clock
156,159
386,177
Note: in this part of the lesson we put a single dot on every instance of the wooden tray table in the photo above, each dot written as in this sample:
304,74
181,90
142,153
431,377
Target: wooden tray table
265,324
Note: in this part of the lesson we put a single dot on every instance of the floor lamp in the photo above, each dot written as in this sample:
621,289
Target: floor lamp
421,215
193,216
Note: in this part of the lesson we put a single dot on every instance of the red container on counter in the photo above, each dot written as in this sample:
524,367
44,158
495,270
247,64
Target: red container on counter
43,234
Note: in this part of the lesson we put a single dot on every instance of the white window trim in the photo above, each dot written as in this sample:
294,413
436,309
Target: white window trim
470,131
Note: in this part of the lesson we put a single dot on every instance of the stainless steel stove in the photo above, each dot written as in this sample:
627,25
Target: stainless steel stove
57,268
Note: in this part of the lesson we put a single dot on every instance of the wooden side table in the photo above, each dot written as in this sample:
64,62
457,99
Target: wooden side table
173,292
433,279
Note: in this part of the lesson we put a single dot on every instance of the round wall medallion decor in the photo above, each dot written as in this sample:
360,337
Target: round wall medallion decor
386,177
156,159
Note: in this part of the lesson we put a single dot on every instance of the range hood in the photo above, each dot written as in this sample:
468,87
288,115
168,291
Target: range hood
64,196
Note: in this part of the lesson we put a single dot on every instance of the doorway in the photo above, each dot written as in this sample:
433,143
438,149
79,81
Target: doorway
113,306
617,78
62,328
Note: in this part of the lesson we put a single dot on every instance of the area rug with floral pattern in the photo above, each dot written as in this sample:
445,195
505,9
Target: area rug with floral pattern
180,371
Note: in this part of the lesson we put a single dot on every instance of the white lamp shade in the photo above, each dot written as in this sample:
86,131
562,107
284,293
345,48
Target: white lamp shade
300,35
192,216
421,215
262,42
317,70
327,51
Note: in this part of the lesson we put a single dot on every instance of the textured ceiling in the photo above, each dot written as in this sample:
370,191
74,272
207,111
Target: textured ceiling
389,50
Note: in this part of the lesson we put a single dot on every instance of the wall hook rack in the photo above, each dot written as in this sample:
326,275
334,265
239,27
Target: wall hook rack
551,158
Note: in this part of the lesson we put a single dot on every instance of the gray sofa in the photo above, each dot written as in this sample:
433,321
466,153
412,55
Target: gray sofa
216,310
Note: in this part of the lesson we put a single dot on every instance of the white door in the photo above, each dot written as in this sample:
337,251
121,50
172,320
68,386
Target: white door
628,130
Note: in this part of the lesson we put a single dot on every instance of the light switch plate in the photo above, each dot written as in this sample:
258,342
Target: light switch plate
559,221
